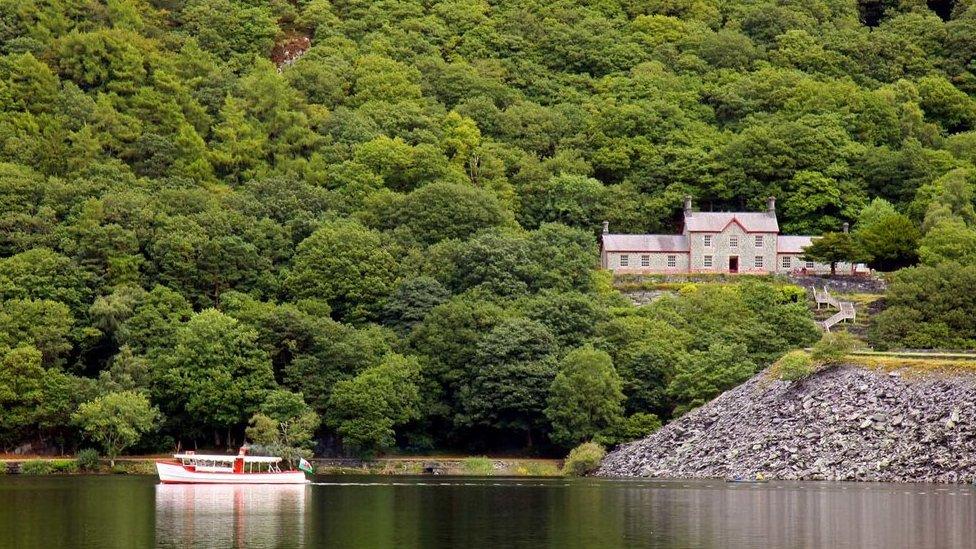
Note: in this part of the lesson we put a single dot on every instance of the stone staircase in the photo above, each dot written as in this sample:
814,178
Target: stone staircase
845,309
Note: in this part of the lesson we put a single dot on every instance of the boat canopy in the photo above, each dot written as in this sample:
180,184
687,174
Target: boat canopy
229,459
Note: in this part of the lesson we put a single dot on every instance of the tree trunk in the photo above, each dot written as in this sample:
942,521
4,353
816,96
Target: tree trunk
833,268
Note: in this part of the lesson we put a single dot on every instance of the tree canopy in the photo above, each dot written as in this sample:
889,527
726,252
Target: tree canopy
399,222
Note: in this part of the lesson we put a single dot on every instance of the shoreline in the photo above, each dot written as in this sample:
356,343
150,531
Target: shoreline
388,466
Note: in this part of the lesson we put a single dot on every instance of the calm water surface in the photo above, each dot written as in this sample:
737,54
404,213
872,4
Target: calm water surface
354,512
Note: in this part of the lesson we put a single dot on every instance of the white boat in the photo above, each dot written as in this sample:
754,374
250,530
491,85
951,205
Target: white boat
192,468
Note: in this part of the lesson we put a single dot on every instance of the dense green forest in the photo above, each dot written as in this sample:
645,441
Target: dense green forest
390,240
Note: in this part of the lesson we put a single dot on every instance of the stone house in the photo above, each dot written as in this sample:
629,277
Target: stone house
715,242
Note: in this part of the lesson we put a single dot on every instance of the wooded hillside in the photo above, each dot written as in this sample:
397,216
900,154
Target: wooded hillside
394,232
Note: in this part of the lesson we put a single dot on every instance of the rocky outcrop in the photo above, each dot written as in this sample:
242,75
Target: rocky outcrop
845,423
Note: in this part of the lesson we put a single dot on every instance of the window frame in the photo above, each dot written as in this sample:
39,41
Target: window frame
759,240
707,241
624,260
786,262
733,241
645,260
758,262
708,261
672,261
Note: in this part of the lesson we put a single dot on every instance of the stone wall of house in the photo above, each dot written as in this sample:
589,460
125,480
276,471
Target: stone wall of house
798,265
721,250
657,262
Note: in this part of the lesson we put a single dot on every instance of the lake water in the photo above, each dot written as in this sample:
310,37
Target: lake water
354,512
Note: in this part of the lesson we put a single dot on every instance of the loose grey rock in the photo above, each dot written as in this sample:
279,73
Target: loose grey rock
845,423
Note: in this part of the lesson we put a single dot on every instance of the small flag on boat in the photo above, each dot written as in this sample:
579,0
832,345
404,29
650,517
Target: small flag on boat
304,465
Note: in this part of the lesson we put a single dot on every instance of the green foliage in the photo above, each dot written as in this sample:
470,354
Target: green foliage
116,420
439,211
889,243
34,467
833,248
584,398
64,466
442,169
928,310
707,373
949,240
833,347
88,459
796,365
507,387
626,429
227,27
478,466
43,324
366,410
583,459
215,376
346,266
284,426
538,469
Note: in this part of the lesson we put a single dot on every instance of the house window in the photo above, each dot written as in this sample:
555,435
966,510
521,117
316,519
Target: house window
708,241
672,261
733,241
645,261
809,264
759,241
786,262
708,261
759,261
624,260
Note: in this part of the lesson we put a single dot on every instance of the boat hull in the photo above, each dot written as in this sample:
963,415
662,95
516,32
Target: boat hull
174,473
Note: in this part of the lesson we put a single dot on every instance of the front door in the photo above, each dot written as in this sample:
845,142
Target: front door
734,264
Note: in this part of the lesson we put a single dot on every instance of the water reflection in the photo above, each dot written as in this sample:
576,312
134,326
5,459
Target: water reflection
229,516
369,512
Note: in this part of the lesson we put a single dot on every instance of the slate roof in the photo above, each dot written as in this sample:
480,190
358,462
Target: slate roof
713,222
792,244
645,243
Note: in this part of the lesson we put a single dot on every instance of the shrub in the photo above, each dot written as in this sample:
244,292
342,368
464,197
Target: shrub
64,466
793,293
537,469
36,467
140,467
794,366
87,459
833,347
584,459
480,466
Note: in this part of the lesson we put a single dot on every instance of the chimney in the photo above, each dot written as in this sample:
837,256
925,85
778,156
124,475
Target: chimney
687,204
771,205
847,227
606,227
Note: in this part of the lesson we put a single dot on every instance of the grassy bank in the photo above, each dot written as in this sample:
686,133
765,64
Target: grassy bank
460,466
70,466
916,363
468,466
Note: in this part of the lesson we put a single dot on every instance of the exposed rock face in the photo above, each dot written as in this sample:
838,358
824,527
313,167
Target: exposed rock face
842,284
845,423
643,297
